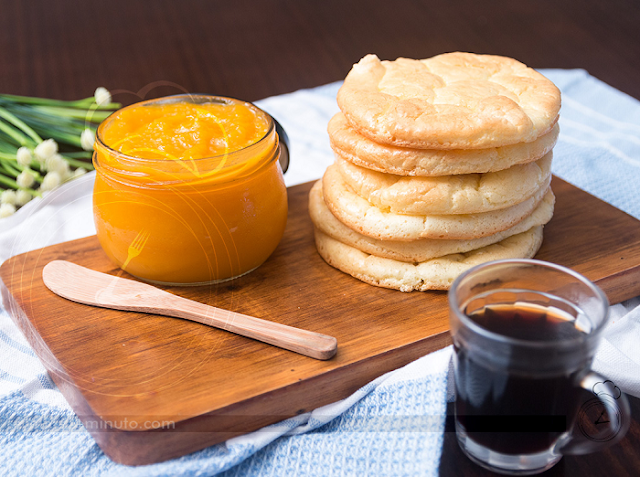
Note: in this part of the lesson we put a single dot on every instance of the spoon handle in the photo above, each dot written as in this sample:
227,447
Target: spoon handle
90,287
308,343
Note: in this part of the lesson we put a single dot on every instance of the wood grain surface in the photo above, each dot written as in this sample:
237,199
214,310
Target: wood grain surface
122,370
251,50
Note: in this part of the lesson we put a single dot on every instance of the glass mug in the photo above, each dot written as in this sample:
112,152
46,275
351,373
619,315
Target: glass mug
524,334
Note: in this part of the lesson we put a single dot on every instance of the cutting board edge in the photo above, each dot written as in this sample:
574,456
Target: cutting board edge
148,446
617,286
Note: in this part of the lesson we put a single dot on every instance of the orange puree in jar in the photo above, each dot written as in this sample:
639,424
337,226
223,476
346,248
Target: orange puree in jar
189,189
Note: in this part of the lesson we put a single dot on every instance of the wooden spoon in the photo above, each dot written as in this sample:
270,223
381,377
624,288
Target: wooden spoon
89,287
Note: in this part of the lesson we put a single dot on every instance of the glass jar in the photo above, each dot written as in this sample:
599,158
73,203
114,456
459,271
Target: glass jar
190,221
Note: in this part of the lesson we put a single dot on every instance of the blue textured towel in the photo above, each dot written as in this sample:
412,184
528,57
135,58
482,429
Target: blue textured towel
392,426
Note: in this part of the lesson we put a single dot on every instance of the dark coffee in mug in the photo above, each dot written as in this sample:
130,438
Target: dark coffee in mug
511,411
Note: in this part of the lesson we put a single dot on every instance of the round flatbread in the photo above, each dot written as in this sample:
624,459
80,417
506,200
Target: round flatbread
362,151
417,250
434,274
360,215
451,101
444,195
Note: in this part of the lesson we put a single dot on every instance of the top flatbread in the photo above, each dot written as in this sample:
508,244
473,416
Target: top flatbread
450,101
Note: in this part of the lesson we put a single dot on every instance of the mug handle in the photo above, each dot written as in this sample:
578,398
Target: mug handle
600,422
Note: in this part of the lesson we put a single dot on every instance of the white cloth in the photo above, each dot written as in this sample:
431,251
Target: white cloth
618,357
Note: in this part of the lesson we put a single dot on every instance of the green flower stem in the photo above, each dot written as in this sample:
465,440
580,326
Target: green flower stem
79,155
76,163
10,168
38,119
49,128
8,182
5,170
14,173
14,134
71,139
90,115
20,125
46,101
109,106
80,103
60,134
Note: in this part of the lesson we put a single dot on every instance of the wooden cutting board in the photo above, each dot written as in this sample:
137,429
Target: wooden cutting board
150,388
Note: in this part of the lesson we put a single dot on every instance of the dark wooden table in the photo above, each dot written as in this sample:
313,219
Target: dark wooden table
621,459
254,49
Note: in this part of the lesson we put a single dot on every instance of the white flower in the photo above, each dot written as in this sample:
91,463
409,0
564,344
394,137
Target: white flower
53,163
65,172
8,197
102,96
80,171
25,179
45,149
24,157
86,139
6,210
50,181
22,197
57,163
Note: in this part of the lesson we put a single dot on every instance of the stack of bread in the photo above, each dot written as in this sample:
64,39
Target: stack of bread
441,164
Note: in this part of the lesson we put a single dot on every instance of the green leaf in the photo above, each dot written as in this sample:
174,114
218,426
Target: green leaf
80,103
79,154
14,134
8,182
19,124
89,115
76,163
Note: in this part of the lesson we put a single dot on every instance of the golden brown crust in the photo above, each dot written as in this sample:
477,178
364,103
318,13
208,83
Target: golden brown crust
434,274
417,250
360,215
445,195
451,101
362,151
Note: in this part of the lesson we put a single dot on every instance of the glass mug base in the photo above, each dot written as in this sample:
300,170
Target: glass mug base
521,464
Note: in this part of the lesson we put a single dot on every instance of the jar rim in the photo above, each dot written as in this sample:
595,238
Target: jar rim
177,98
